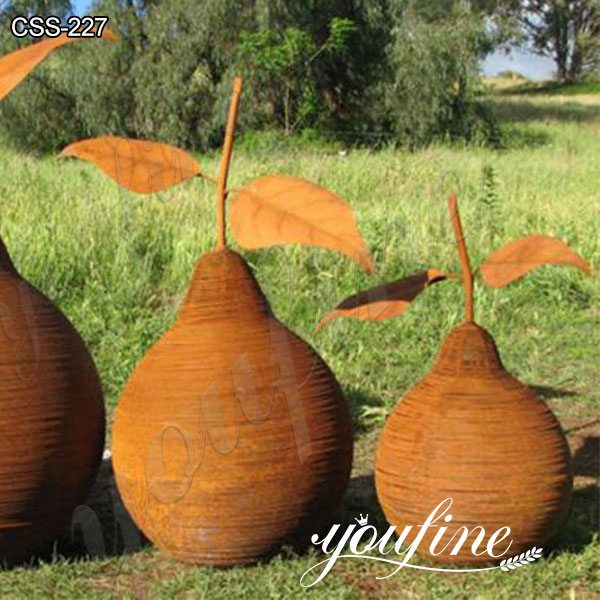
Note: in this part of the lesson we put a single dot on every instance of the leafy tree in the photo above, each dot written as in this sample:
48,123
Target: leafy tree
431,86
189,47
405,68
568,31
281,69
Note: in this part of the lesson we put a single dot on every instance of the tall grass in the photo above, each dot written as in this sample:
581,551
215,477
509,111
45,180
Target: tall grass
118,265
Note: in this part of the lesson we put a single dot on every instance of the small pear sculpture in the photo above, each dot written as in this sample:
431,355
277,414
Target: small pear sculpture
232,437
469,430
52,420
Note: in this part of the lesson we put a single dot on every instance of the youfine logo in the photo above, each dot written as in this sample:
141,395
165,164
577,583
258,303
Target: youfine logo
362,541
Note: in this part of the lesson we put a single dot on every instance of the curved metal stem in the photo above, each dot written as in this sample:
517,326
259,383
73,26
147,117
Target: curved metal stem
225,160
463,255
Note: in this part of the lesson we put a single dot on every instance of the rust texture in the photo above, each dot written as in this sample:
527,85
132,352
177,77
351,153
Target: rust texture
279,209
140,166
232,437
471,432
53,421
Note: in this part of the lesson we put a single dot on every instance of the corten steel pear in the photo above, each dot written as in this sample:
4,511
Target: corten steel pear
52,424
469,430
52,421
232,437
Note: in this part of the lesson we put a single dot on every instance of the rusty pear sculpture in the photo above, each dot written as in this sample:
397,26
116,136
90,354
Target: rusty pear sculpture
52,422
470,431
232,437
52,426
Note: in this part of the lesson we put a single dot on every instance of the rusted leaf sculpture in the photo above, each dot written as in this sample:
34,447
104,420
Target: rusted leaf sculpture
52,421
232,436
469,430
384,301
280,209
143,167
515,260
14,67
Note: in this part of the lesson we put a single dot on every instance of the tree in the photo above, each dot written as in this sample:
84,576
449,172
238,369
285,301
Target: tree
281,69
403,69
430,88
568,31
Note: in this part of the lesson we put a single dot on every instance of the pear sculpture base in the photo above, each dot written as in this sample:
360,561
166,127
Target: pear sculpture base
232,437
471,432
52,420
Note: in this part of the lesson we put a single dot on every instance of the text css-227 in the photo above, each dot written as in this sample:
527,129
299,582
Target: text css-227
52,26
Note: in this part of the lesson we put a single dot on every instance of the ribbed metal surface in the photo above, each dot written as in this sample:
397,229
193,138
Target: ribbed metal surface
51,417
471,432
232,437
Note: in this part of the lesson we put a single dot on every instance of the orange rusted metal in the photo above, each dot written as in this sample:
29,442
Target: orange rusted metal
232,437
471,432
53,422
140,166
225,161
279,209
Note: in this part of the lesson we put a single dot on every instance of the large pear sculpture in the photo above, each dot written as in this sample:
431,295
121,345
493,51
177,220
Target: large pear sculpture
470,433
232,437
52,423
52,420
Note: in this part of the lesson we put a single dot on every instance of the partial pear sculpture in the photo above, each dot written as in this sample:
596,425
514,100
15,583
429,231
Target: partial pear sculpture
469,430
52,424
52,420
232,437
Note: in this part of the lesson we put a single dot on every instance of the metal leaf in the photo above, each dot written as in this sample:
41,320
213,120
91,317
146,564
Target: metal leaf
139,166
384,301
514,260
14,67
279,209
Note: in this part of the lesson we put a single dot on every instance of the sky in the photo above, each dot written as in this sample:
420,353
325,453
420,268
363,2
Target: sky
521,60
531,65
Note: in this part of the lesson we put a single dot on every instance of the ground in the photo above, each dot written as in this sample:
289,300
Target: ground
118,266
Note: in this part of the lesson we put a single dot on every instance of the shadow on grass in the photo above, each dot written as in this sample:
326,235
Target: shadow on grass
583,523
101,528
547,393
551,87
513,137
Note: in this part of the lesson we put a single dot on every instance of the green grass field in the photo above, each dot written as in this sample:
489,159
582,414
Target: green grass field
118,266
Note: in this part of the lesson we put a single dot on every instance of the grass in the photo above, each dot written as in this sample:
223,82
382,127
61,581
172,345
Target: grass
553,88
118,266
505,84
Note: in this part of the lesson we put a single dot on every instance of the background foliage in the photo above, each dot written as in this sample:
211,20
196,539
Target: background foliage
396,67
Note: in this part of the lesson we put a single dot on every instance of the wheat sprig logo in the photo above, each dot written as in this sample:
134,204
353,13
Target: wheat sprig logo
509,564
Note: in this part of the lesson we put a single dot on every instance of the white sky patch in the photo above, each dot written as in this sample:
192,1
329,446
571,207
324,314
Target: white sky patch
528,64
